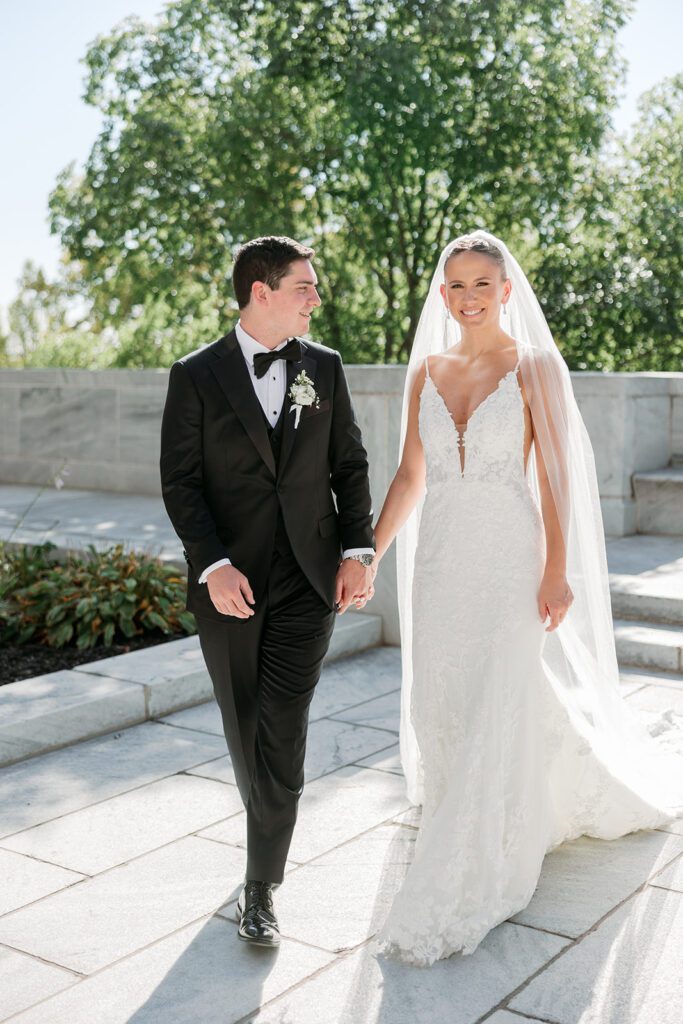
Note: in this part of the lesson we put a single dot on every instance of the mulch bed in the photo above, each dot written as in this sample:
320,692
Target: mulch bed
26,660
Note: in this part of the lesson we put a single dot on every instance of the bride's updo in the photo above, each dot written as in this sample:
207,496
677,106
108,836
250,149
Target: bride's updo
475,243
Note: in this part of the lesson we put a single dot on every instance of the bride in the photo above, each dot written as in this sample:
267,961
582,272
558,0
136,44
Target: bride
514,737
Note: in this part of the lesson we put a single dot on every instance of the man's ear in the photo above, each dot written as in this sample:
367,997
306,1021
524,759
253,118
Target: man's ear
259,293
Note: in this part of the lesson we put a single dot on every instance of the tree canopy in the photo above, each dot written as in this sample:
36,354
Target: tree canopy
372,129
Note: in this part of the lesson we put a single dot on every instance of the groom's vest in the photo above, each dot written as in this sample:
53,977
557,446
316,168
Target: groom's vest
282,544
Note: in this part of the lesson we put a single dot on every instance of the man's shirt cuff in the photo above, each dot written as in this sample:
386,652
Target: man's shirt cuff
214,565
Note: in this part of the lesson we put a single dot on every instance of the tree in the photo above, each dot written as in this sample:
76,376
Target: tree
48,319
373,129
612,285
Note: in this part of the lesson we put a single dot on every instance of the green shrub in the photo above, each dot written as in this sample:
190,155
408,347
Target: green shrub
87,599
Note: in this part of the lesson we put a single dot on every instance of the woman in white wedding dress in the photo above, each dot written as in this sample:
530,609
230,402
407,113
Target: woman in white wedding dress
513,735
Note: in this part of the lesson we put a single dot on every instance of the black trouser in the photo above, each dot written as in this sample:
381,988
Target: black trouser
264,671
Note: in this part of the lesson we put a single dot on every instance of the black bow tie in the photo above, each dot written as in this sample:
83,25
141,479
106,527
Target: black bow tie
291,352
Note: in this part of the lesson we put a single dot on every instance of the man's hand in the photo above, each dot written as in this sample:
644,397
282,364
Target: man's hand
354,583
229,590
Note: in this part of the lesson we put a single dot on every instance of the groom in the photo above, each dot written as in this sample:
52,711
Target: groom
258,438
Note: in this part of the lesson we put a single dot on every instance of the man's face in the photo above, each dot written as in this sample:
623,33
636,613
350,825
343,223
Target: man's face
293,301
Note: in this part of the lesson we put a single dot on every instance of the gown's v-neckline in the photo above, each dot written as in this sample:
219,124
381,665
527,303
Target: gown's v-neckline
461,433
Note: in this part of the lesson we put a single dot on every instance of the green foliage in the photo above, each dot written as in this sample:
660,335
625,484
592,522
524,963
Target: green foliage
374,130
90,600
612,286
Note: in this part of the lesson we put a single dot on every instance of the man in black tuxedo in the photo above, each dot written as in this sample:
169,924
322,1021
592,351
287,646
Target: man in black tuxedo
252,453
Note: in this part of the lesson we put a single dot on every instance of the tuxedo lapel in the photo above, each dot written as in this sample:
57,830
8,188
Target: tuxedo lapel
232,374
289,430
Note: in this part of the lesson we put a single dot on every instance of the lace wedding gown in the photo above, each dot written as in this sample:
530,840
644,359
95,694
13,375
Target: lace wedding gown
508,771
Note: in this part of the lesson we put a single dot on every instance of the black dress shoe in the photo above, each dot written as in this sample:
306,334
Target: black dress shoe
256,918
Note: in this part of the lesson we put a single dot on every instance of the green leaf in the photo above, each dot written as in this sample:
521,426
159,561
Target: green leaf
61,635
187,621
156,620
55,615
127,627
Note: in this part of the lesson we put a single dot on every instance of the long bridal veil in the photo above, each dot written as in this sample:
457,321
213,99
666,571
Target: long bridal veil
579,657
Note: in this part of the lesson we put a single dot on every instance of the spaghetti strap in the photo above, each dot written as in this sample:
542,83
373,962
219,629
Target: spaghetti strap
427,365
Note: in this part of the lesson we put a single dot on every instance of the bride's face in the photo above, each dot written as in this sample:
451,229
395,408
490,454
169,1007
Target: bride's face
474,290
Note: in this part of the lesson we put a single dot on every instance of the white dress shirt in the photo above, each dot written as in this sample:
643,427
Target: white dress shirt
270,391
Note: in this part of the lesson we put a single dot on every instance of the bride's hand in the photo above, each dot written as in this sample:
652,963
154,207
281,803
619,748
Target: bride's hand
554,599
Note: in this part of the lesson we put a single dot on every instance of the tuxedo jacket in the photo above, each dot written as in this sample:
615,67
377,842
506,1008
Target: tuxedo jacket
220,484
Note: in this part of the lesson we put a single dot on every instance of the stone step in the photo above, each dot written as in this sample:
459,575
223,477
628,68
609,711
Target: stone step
649,645
640,600
60,708
646,578
659,500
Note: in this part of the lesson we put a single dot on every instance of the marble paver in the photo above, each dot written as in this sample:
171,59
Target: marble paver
658,698
505,1017
24,980
110,833
355,883
671,877
411,817
355,680
66,780
388,760
77,517
332,810
625,972
152,812
382,713
25,880
203,717
364,989
583,880
330,745
633,679
333,744
219,768
118,912
200,975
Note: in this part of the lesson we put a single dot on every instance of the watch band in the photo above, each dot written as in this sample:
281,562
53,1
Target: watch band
365,560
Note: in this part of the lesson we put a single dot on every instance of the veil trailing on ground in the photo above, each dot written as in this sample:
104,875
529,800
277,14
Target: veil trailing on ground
579,657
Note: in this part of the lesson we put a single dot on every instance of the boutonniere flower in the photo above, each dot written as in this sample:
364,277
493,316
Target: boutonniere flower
301,393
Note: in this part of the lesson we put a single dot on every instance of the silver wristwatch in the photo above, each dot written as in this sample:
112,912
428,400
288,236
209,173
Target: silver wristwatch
365,560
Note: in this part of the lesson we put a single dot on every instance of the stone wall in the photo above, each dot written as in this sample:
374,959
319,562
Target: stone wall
106,425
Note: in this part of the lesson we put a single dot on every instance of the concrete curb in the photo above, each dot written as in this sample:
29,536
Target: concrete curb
60,708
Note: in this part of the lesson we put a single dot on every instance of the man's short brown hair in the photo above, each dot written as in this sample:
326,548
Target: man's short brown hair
265,259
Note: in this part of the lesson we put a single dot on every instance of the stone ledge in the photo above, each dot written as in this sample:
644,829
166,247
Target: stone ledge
60,708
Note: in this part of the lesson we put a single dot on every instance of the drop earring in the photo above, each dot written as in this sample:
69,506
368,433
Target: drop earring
505,309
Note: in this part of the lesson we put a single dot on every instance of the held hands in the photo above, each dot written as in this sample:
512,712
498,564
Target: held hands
555,598
229,590
354,584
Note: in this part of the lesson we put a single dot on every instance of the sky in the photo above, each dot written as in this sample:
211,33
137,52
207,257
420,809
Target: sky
44,123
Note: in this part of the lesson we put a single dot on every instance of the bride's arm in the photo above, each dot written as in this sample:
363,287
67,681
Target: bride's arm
547,419
408,484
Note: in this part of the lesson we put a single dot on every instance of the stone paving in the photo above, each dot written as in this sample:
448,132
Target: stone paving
122,858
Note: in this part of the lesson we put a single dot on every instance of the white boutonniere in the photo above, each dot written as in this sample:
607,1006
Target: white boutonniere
302,393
